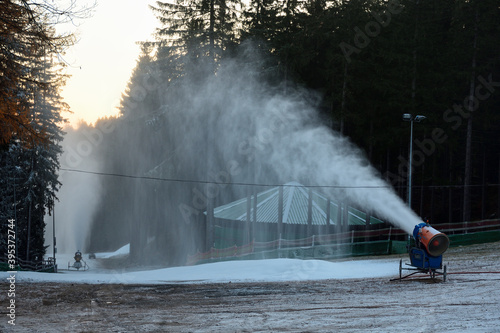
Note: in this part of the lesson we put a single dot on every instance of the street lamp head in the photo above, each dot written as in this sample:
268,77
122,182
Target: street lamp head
419,118
407,117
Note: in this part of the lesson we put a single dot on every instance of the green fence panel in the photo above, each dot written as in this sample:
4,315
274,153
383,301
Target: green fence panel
474,238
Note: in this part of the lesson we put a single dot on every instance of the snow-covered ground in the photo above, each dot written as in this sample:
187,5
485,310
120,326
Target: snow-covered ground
272,270
281,295
123,251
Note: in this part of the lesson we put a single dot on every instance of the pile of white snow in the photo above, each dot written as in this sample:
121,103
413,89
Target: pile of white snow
270,270
124,250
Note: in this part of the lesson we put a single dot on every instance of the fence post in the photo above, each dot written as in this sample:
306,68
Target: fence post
313,241
309,212
389,240
352,236
279,243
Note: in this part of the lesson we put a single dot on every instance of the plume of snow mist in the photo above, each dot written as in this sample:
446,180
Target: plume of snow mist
274,135
79,193
230,128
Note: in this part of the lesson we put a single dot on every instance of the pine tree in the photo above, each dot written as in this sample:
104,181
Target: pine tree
23,32
201,29
476,39
15,31
29,158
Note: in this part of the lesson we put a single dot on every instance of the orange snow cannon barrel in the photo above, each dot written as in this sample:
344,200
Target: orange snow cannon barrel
435,242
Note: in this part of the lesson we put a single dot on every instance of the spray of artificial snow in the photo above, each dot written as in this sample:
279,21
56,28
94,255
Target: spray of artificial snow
274,136
232,127
79,193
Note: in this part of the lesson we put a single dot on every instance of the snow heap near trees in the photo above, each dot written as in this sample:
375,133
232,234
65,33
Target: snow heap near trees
269,270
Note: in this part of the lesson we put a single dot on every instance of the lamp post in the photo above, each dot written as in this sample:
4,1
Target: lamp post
54,249
418,118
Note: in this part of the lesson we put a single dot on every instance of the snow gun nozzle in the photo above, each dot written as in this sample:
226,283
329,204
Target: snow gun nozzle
435,242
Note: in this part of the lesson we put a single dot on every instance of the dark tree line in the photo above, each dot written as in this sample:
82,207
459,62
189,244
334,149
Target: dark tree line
30,120
370,61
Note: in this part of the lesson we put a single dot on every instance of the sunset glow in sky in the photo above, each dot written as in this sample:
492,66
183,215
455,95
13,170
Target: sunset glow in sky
101,62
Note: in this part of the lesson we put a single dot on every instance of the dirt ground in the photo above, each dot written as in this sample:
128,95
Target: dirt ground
464,303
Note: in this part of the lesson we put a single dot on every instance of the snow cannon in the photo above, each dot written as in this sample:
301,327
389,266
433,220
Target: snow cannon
427,255
436,243
79,262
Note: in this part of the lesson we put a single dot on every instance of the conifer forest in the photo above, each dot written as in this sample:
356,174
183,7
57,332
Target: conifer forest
359,64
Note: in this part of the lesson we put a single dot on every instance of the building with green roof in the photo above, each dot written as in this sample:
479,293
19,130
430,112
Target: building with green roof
289,211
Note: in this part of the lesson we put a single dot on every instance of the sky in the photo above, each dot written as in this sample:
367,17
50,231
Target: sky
101,62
